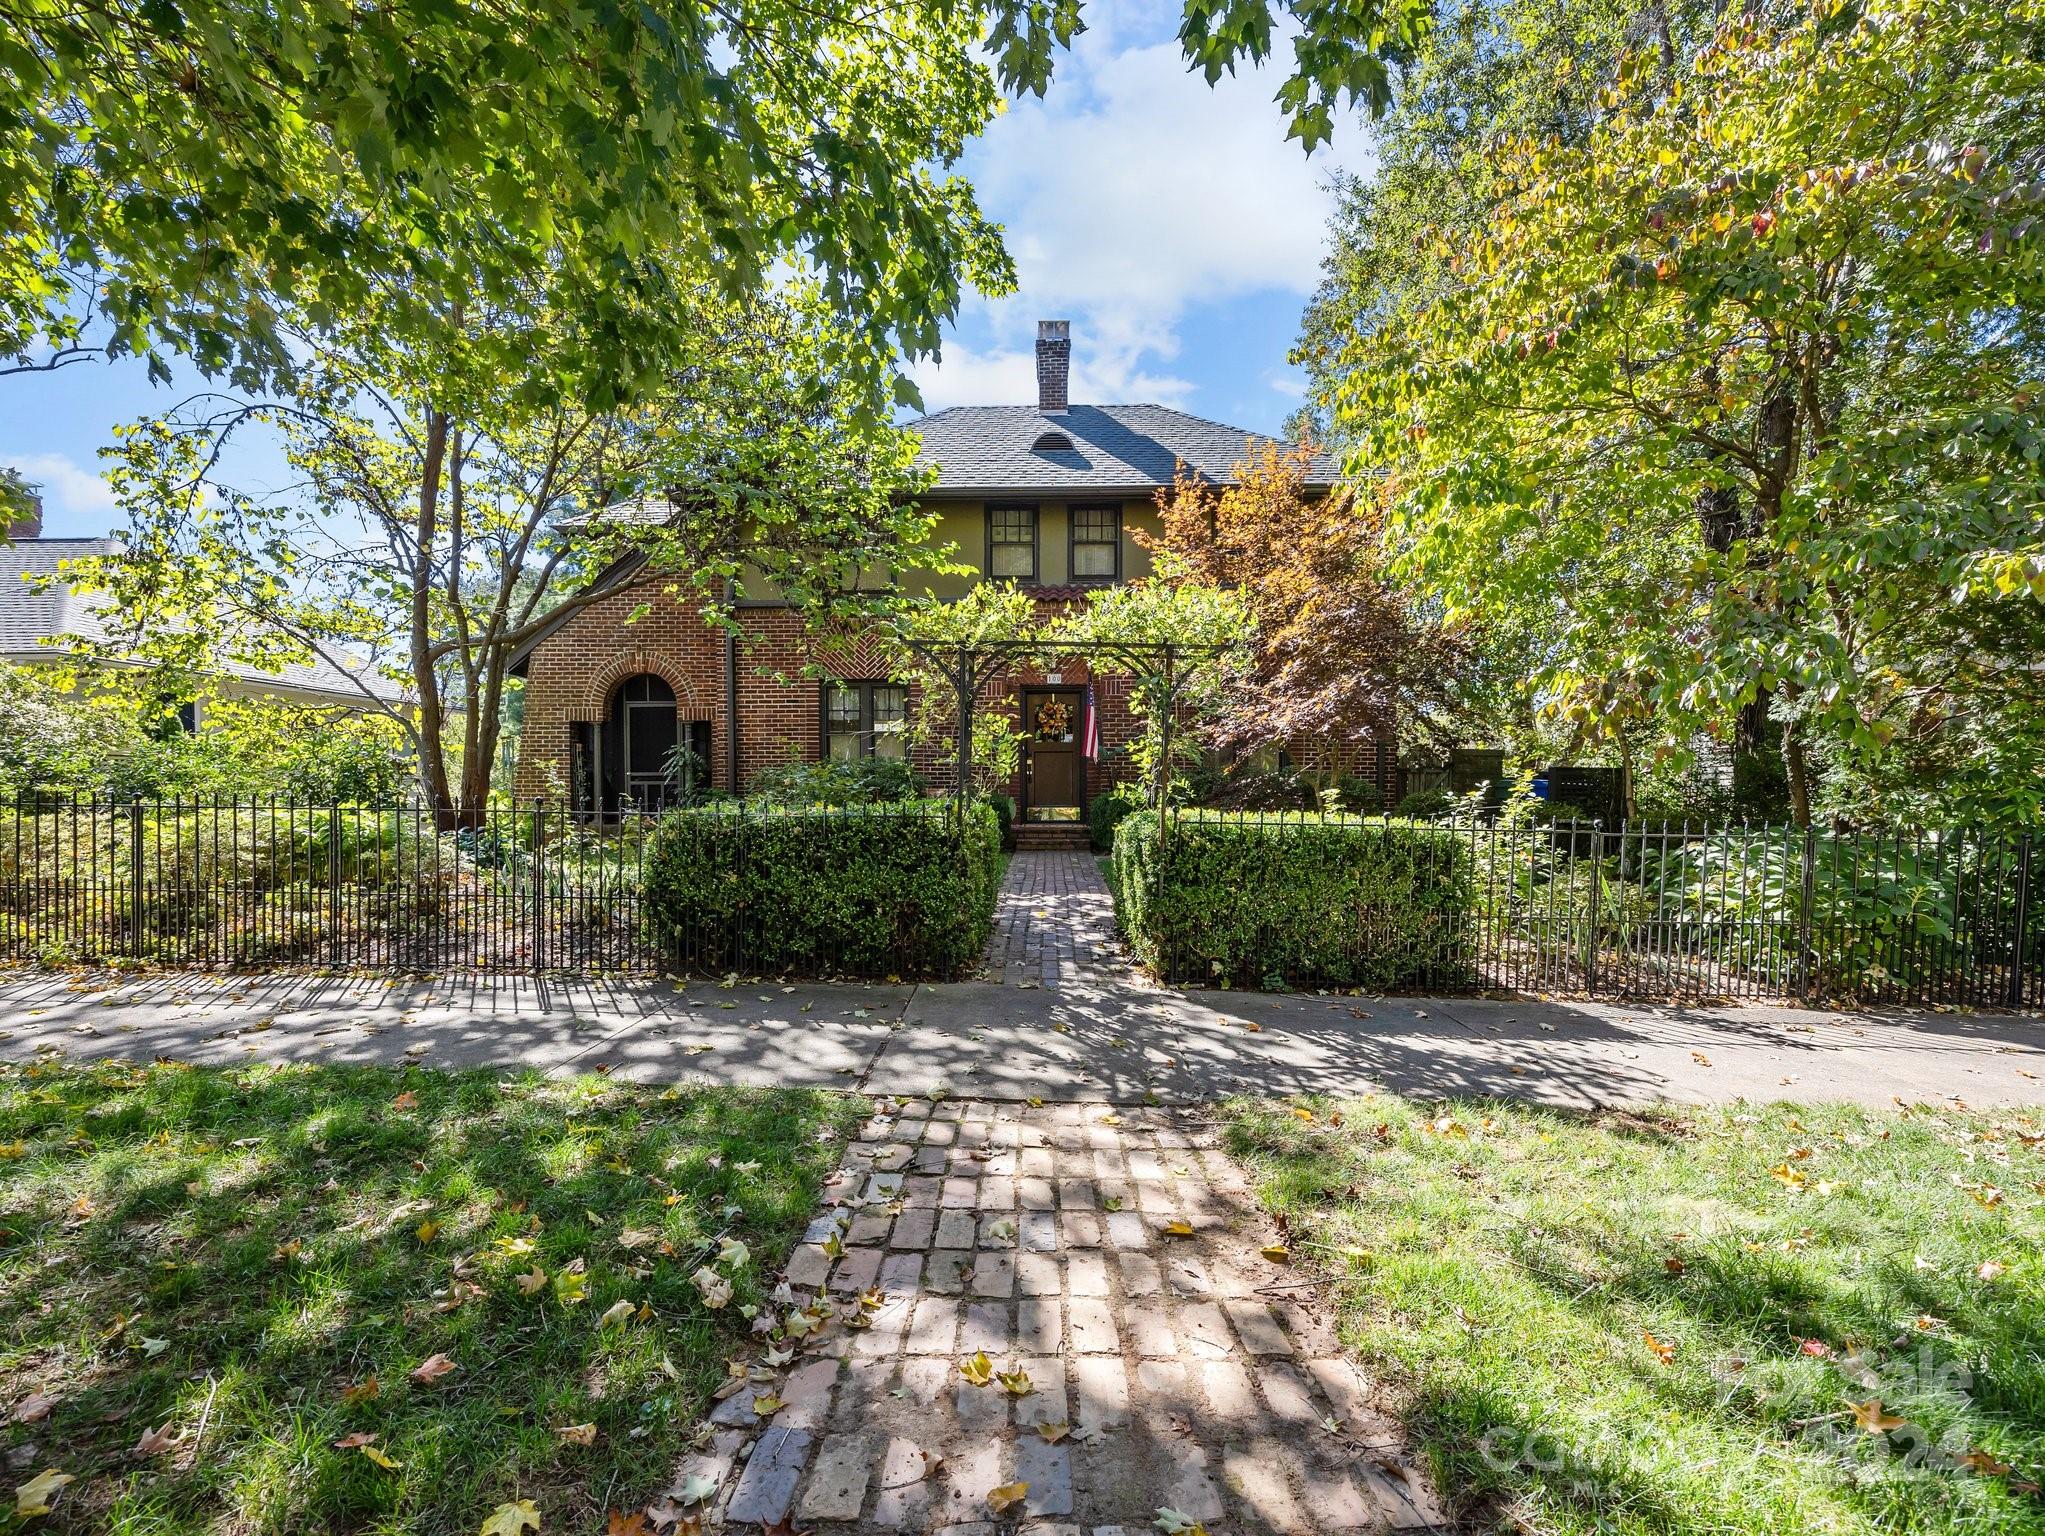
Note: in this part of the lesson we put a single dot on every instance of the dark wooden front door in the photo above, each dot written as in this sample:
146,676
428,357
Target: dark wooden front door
1053,771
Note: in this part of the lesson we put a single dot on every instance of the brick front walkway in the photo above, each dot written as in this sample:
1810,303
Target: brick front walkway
1186,1372
1054,926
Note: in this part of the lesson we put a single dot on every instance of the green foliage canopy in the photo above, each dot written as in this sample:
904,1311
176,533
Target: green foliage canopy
1733,394
191,174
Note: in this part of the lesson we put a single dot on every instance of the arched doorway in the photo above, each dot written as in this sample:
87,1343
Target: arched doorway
632,757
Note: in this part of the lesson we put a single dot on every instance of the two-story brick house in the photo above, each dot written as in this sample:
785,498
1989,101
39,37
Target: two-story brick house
1048,496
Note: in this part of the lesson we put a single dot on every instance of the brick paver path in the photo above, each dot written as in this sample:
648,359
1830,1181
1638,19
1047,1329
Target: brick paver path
1155,1371
1054,926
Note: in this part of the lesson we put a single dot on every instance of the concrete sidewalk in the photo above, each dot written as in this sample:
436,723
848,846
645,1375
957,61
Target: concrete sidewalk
1116,1039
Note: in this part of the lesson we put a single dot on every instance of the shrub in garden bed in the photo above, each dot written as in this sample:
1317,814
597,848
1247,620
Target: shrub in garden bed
1106,812
1294,900
879,890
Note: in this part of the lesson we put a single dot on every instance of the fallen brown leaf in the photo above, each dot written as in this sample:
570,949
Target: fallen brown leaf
36,1405
155,1442
431,1369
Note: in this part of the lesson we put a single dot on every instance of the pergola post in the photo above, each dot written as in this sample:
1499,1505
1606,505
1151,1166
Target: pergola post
962,684
1164,732
1163,789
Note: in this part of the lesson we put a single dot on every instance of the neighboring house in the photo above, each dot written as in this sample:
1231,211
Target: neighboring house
1047,496
38,618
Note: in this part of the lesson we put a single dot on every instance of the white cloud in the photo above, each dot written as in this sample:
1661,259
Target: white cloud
65,487
1289,382
1132,192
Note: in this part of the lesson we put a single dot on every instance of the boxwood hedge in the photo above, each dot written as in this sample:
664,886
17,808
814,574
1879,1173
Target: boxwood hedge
869,890
1295,900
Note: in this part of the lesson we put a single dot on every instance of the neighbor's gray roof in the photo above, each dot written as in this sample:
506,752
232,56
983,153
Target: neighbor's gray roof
30,613
984,450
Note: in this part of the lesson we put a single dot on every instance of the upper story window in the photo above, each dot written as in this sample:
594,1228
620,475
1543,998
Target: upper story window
1097,543
1012,543
865,720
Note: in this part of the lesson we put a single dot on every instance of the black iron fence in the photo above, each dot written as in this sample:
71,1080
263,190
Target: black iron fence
1647,911
1657,911
854,890
279,885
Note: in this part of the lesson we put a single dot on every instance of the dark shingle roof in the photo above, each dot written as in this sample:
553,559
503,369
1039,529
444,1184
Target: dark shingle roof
981,450
31,612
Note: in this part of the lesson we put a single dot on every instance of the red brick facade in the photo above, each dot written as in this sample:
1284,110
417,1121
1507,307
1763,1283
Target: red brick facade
573,673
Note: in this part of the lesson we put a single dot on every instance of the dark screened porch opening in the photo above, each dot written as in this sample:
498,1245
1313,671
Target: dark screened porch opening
641,756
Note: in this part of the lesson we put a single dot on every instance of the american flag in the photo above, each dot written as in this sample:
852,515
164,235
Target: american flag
1090,742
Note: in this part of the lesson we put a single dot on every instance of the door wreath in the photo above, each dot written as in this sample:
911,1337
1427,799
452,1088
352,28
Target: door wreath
1054,719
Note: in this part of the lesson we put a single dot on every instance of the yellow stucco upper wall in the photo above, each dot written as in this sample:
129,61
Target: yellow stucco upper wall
962,527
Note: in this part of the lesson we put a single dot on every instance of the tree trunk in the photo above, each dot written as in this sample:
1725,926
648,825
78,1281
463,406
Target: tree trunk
1796,763
432,719
480,761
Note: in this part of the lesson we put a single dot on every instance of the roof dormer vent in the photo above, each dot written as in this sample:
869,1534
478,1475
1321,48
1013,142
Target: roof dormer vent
1051,442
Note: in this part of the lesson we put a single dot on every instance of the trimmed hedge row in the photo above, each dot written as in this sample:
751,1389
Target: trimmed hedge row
871,890
1277,900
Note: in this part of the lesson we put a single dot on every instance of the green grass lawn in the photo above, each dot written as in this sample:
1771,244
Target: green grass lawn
209,1277
1788,1319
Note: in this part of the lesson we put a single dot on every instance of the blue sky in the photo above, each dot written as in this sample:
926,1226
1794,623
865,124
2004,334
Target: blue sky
1173,225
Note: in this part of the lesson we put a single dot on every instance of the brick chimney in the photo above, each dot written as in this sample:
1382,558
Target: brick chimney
30,524
1054,363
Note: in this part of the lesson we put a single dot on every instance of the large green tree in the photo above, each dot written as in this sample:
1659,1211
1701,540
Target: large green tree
1725,384
202,175
211,176
440,517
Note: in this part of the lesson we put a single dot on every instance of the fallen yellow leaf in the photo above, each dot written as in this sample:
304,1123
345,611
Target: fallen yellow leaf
577,1434
512,1518
1869,1416
999,1499
979,1370
33,1497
